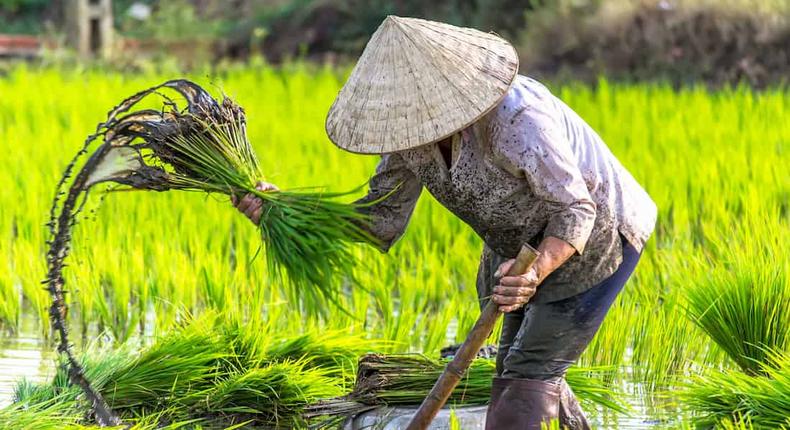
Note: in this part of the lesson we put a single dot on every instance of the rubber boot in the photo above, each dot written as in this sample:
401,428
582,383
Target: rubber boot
571,414
522,404
496,396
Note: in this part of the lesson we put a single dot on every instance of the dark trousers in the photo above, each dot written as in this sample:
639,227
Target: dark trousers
541,341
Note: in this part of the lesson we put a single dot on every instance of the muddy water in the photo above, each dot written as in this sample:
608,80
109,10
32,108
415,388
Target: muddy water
24,356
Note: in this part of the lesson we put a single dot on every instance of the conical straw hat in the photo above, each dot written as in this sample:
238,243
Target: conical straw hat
418,82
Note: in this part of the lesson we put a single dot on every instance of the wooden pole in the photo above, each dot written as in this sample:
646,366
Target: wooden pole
456,369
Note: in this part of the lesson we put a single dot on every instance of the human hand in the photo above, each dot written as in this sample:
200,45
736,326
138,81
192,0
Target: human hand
513,292
252,205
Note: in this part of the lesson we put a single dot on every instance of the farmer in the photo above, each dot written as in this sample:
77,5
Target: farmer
447,111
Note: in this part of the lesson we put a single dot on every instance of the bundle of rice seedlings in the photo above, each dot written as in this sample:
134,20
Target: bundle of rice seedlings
207,370
732,399
37,412
334,351
272,395
251,343
745,309
161,378
406,379
203,146
164,375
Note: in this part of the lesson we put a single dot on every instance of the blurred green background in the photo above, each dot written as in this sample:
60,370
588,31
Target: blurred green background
715,41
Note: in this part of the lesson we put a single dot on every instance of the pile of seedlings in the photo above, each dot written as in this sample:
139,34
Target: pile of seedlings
216,371
723,398
213,371
404,380
744,306
200,147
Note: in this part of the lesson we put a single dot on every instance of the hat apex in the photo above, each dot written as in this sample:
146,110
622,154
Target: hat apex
419,81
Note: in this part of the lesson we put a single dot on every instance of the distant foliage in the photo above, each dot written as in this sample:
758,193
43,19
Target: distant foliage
719,42
344,26
175,20
18,5
26,16
680,40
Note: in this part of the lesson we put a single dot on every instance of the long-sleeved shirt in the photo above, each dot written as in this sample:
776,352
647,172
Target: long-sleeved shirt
530,168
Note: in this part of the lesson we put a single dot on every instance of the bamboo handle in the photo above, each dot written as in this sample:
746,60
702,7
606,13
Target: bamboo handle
456,368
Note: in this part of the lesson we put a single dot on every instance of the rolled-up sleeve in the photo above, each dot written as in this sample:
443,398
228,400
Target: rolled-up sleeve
531,138
393,192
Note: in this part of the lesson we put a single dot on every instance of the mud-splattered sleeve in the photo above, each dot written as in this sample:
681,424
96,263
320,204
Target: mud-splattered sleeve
530,137
391,214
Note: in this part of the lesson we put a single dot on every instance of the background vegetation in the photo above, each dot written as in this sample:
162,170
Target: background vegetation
691,96
682,41
715,163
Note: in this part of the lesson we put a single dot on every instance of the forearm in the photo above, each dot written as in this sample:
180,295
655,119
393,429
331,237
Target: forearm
387,211
553,253
368,224
383,224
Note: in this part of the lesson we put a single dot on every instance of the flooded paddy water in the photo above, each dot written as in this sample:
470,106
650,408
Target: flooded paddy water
23,356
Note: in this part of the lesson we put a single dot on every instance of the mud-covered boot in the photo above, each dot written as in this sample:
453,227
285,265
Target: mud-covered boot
571,414
496,395
522,404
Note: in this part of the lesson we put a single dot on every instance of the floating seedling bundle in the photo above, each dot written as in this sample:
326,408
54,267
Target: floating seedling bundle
201,146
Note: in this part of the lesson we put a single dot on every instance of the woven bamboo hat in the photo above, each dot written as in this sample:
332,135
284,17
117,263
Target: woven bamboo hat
418,82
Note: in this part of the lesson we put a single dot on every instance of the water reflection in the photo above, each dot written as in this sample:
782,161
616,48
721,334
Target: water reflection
21,357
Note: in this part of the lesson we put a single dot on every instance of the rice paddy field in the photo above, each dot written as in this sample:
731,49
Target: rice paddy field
700,336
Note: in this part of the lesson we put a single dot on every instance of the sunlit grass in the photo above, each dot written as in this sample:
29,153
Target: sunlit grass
715,163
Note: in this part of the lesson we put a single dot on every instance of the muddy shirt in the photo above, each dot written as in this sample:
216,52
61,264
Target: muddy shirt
528,169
